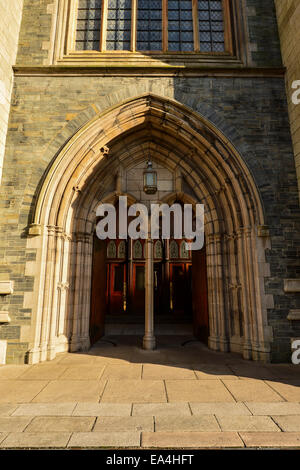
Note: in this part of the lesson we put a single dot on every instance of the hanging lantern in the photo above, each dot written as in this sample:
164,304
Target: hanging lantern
150,179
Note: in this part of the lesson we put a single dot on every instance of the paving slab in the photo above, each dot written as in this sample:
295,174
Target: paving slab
248,370
161,409
139,391
247,423
288,423
6,409
124,423
83,372
213,372
43,372
158,371
3,435
252,390
13,371
220,409
289,390
103,409
60,424
285,371
186,440
125,371
26,440
197,391
20,391
105,439
71,391
74,359
186,423
267,409
276,440
14,423
44,409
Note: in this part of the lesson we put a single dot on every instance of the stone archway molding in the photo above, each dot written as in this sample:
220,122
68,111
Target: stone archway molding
77,180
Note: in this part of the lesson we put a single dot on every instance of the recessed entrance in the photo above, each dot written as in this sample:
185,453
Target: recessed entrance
179,288
79,287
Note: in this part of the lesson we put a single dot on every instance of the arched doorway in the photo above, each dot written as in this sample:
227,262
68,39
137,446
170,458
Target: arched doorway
118,286
204,165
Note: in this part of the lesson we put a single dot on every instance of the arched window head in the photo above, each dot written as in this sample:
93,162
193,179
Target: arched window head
122,250
157,26
158,250
174,253
184,253
111,250
137,250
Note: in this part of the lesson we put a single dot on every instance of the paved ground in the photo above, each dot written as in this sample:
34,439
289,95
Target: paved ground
176,397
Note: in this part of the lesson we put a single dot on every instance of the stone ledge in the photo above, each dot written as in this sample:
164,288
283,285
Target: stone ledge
291,285
294,315
4,317
6,287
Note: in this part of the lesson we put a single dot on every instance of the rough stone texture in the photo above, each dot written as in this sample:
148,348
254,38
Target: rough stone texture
10,14
288,15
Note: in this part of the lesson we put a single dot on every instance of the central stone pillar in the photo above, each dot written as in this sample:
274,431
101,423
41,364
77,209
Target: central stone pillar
149,341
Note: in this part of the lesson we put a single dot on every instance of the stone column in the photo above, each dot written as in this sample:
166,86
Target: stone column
149,341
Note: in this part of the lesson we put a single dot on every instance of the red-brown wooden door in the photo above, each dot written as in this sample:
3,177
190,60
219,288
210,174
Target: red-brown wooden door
98,293
180,288
138,289
200,302
116,276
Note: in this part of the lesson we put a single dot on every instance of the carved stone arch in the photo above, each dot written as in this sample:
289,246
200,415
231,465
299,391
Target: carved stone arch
77,180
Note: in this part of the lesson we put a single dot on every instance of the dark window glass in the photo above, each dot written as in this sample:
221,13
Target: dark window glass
211,26
118,35
88,25
180,26
149,25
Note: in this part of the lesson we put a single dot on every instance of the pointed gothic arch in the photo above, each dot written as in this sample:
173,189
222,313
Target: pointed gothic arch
81,176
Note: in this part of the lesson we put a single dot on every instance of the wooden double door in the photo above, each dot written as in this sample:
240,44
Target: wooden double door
118,289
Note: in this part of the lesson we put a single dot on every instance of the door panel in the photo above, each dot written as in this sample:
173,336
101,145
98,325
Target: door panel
200,303
115,290
180,288
138,301
98,294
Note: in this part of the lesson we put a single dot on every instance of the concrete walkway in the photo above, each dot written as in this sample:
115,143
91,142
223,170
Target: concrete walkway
174,397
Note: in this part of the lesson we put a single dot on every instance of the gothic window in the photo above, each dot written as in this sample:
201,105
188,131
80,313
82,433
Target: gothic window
173,249
158,250
137,250
122,250
183,251
175,26
111,250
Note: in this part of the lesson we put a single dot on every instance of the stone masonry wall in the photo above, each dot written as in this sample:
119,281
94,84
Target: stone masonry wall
10,14
44,112
288,13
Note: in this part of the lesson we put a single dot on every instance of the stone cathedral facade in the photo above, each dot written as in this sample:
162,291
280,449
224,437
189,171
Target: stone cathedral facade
91,90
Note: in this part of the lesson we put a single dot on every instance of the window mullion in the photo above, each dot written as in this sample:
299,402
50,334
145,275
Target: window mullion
103,26
134,5
165,25
196,26
227,27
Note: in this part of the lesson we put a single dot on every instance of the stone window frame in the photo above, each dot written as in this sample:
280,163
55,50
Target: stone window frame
63,38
